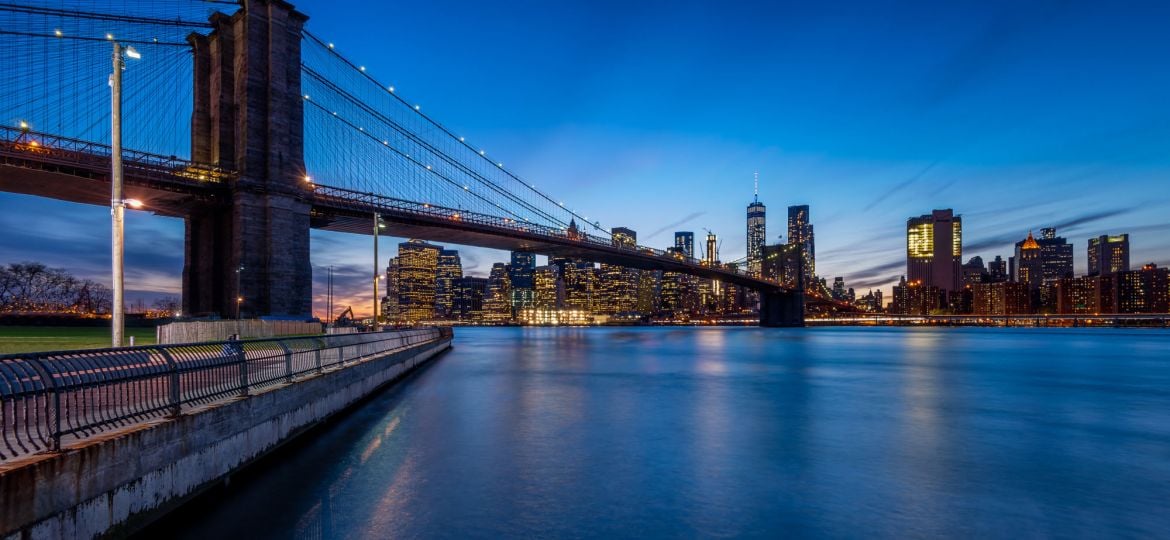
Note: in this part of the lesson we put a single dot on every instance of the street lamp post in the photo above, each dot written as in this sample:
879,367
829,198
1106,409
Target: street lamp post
377,225
117,200
239,291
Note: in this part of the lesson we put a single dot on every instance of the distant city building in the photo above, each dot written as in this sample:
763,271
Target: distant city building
497,302
838,291
469,299
997,270
800,235
756,235
916,298
1143,291
549,289
1108,254
974,271
1028,267
1002,298
934,250
521,276
685,242
418,264
449,271
618,284
1085,295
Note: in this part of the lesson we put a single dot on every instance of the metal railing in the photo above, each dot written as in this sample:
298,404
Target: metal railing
65,151
47,399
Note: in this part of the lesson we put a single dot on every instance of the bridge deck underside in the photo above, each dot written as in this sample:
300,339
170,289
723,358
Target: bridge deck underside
88,187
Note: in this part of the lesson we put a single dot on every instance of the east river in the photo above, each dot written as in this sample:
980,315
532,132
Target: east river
734,432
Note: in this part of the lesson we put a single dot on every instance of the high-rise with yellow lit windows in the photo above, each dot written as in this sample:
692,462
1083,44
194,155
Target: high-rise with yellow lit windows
934,250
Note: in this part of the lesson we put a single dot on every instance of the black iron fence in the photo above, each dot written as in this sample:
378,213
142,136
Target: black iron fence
48,398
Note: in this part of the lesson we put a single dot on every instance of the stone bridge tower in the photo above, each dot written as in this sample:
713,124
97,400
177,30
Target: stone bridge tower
248,118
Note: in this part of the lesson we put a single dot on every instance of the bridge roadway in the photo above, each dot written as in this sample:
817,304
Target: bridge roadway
78,171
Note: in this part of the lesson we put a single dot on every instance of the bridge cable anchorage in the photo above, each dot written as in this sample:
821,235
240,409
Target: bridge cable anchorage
431,148
328,47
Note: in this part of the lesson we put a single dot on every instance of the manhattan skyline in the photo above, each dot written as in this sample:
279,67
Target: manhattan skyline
1017,118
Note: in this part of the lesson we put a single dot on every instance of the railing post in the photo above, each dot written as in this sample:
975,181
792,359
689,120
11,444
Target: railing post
287,361
243,360
320,345
175,392
54,442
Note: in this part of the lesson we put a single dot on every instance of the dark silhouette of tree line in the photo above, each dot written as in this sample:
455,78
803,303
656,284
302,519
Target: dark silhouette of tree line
31,287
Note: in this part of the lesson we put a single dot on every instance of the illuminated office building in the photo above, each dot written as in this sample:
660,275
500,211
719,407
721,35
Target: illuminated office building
756,235
1028,267
469,299
800,235
497,302
1002,298
934,250
449,270
684,243
548,287
521,276
618,284
1108,254
418,264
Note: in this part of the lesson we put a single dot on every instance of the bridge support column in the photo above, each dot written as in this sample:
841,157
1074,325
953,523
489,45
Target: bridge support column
781,309
248,118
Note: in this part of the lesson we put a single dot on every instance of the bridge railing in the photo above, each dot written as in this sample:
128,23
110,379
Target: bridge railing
54,397
371,202
49,148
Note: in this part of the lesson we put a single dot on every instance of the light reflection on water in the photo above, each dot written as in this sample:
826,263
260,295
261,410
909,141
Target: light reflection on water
839,432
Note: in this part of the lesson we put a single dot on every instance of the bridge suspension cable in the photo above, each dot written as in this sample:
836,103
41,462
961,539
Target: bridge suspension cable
343,90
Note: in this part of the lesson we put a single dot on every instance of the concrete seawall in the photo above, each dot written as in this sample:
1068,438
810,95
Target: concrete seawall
115,483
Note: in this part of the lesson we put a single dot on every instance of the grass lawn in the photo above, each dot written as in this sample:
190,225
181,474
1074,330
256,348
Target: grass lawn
17,339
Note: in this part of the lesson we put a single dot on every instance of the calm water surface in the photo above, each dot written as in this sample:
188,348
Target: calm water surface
732,432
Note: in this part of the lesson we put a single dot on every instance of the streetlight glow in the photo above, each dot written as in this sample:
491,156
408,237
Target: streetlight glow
134,203
131,52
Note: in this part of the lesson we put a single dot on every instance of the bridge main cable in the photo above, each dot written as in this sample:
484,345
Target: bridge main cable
437,152
329,48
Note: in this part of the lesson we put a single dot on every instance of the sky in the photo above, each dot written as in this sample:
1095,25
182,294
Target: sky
655,115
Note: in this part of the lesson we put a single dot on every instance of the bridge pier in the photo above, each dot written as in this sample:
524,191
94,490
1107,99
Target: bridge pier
248,118
781,309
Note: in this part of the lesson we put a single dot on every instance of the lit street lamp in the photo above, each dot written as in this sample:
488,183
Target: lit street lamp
239,291
378,224
117,203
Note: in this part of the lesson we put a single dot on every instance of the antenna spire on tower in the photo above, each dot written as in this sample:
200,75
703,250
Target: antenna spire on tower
756,190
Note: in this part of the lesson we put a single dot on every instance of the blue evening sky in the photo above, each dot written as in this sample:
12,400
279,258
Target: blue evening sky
654,115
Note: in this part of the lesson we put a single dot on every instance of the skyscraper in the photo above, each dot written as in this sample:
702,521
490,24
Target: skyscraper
418,264
549,287
449,270
521,275
1029,266
1057,256
684,242
1108,254
934,250
497,302
469,298
756,233
800,234
619,285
